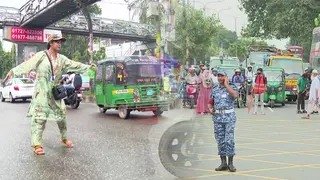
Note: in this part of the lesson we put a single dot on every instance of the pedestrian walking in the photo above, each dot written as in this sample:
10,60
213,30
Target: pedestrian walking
91,81
221,105
314,94
49,66
316,106
204,93
258,90
303,82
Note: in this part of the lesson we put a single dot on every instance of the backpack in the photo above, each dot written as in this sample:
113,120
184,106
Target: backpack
77,81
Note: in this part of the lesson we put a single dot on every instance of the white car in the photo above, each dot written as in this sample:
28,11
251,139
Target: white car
17,88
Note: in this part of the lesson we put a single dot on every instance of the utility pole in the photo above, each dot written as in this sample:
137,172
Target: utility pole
154,13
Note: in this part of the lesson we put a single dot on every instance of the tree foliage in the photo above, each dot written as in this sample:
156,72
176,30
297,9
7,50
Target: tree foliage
6,61
76,47
194,31
281,19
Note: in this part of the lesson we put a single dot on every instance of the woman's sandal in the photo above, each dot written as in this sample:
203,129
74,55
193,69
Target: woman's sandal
67,142
38,150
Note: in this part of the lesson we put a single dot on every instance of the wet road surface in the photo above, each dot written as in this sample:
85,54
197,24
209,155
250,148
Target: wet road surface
278,145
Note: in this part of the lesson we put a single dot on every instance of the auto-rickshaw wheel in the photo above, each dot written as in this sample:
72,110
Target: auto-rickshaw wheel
124,112
157,112
283,103
102,110
272,103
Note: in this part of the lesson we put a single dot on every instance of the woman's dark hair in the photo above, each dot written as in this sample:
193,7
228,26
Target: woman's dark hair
259,69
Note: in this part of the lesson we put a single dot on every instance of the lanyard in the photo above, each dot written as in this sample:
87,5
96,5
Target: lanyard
53,69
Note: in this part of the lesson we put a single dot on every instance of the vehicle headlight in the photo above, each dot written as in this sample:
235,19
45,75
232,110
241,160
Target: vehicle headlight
294,89
280,88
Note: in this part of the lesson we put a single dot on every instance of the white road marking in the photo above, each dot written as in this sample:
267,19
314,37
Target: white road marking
270,109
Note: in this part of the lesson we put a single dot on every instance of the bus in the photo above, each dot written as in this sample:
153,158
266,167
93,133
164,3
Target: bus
296,50
314,59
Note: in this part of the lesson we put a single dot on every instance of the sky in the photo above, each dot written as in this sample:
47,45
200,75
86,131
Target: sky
228,10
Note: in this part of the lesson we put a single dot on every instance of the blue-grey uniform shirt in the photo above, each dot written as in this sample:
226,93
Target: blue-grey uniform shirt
223,101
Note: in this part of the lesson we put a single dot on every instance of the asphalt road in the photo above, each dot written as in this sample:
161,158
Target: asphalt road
278,145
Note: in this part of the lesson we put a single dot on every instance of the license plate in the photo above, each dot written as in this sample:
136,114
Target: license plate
150,92
291,82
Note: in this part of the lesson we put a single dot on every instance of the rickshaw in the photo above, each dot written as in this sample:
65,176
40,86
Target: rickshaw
130,83
230,70
293,68
275,92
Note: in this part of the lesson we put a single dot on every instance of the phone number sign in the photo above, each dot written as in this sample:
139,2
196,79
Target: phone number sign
26,34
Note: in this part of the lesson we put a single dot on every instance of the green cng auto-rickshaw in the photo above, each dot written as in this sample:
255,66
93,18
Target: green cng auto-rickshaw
275,92
130,83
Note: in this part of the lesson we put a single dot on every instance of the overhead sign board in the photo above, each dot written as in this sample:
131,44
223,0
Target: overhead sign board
21,34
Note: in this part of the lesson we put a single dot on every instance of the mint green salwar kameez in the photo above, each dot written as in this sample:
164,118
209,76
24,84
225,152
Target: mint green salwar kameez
43,106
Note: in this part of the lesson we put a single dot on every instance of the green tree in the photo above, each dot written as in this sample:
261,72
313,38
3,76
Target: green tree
195,32
224,38
76,47
100,54
140,9
5,61
281,19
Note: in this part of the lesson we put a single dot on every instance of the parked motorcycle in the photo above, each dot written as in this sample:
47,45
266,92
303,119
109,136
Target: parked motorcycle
242,98
74,98
191,94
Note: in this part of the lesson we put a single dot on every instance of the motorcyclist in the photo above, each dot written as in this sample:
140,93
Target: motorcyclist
192,77
214,76
237,77
249,73
68,83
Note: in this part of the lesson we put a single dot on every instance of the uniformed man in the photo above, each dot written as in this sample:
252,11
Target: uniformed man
221,105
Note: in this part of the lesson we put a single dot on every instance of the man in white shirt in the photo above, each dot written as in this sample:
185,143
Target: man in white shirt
249,73
214,76
314,93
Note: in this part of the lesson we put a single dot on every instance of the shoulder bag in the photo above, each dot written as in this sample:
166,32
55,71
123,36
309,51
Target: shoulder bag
59,91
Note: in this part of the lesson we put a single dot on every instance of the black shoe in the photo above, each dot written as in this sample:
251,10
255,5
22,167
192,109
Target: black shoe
304,111
230,164
299,112
224,165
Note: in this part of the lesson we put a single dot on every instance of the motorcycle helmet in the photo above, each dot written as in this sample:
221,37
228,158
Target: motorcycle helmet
191,70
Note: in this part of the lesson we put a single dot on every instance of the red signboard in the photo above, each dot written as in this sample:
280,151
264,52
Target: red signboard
26,34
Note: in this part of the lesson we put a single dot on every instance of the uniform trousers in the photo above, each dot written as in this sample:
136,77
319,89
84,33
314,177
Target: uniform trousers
224,134
38,126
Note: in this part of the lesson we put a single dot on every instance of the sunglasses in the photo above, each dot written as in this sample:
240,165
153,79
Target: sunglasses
57,41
